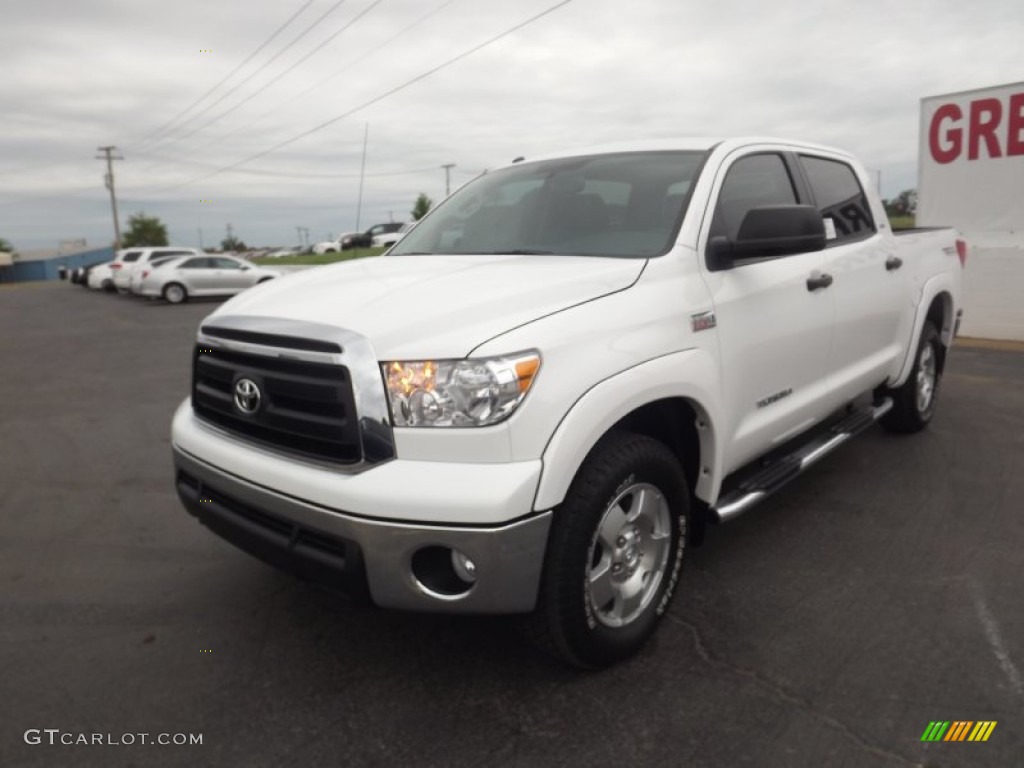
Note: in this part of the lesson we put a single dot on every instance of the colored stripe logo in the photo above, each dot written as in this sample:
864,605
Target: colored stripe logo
958,730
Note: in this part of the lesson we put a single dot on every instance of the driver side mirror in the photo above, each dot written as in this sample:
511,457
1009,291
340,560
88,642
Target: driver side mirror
769,231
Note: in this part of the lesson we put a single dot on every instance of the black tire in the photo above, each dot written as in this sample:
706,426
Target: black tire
175,293
108,286
912,407
264,280
568,622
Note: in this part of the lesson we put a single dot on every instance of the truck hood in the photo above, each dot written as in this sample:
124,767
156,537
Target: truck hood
435,306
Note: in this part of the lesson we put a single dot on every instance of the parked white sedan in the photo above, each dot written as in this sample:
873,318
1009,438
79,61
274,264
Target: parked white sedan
180,279
101,277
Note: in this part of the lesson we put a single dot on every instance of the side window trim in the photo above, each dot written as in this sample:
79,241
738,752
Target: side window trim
800,186
804,193
812,198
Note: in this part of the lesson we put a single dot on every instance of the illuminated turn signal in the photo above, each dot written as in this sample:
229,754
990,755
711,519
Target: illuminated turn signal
526,369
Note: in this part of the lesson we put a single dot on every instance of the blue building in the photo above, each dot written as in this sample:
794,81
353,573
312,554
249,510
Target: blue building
45,265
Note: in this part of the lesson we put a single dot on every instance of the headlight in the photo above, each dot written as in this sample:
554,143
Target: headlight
458,393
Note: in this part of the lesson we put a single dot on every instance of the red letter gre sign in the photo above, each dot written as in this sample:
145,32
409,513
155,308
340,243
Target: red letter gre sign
985,119
954,136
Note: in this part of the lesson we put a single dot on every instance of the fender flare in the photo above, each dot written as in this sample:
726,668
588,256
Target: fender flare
606,403
942,283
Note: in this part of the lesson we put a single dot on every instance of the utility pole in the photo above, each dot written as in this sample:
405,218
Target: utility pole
298,234
362,175
108,179
448,178
878,179
200,231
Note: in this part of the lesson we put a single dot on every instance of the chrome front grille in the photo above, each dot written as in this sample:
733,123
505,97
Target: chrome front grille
317,395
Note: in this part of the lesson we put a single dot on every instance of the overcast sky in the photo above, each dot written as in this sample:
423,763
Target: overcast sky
79,74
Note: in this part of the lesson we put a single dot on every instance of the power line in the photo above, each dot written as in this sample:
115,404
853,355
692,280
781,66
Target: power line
271,60
303,175
381,97
264,44
275,79
354,62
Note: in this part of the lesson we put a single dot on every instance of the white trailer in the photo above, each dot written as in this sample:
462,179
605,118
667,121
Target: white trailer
971,176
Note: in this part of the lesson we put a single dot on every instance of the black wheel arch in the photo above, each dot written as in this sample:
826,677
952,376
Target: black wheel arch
940,315
673,422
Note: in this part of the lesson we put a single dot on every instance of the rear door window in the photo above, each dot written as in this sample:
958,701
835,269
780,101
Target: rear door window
840,198
200,262
131,256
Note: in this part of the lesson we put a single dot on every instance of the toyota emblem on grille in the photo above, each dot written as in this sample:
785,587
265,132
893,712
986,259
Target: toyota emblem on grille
247,396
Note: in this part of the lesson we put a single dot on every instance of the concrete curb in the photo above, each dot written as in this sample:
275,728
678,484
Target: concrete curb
1004,345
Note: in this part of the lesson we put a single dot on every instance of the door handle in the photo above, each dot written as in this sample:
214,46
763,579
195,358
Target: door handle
893,262
818,280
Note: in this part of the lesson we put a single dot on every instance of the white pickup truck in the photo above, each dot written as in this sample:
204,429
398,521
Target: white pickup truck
543,393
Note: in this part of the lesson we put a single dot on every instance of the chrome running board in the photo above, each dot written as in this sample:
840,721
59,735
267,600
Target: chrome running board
756,487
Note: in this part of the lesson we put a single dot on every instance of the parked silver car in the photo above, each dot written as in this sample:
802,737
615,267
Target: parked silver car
179,279
137,273
126,261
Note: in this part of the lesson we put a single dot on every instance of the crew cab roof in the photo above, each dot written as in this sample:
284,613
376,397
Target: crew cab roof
699,144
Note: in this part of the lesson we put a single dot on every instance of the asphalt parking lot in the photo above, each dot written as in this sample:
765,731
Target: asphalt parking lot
826,628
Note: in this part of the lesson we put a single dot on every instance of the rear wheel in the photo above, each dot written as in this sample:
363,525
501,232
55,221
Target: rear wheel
174,293
614,553
914,401
108,286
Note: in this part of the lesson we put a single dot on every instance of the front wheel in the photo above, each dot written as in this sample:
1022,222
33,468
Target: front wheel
174,293
614,552
913,402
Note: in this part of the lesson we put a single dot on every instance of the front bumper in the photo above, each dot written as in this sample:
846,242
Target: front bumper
360,555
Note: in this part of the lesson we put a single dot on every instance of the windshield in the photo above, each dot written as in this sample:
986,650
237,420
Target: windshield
626,204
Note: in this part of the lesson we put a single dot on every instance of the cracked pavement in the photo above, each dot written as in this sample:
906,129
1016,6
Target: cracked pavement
827,627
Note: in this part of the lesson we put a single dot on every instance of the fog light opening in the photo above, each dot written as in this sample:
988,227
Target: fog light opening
465,568
443,572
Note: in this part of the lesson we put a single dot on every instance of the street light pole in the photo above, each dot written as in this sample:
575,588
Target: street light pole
362,175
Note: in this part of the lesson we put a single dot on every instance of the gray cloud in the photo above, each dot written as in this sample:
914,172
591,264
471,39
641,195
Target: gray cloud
78,75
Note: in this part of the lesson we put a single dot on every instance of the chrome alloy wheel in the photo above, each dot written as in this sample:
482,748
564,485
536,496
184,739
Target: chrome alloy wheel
629,554
925,378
